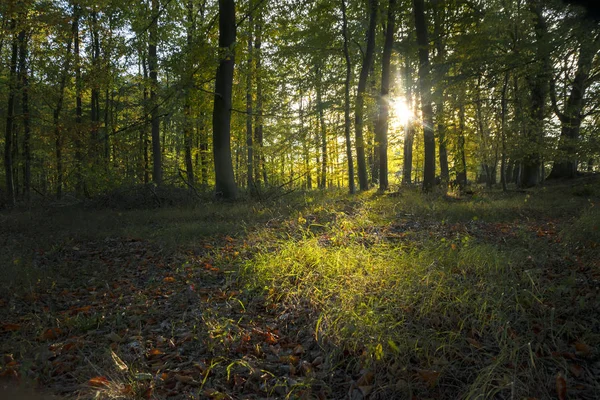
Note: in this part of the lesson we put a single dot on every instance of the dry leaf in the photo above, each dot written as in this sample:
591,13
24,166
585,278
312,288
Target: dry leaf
576,370
155,352
428,376
583,349
98,381
10,327
561,387
118,362
51,334
169,279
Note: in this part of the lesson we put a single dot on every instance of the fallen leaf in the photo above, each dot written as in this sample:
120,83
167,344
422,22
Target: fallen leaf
118,362
576,370
474,343
51,334
428,376
561,387
155,352
583,349
169,279
10,327
98,381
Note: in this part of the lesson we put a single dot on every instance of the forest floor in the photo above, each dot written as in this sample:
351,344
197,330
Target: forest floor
313,295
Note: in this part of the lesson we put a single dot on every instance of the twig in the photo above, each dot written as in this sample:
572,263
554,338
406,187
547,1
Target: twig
189,184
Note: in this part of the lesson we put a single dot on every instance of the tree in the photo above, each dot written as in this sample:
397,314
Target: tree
360,97
347,121
382,120
425,92
154,111
224,178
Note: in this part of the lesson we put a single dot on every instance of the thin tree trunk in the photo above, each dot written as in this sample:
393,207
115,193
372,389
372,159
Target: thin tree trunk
249,132
347,121
24,81
260,165
503,107
409,129
188,124
461,170
10,116
153,66
425,91
95,95
439,18
382,121
79,184
322,129
224,177
360,101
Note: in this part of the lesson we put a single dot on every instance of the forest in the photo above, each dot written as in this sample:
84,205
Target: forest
331,199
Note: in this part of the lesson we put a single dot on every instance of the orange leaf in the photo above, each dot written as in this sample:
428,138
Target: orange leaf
561,387
11,327
169,279
270,338
98,381
583,349
576,370
429,377
51,334
453,245
155,352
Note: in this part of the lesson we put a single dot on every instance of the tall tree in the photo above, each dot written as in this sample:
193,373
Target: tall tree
425,92
347,121
367,63
381,127
189,77
10,115
154,111
224,177
24,83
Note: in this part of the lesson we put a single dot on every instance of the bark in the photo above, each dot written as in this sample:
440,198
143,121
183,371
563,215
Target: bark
79,184
571,117
363,179
439,17
24,82
347,121
10,116
538,81
503,113
188,124
95,95
461,170
153,66
381,129
144,129
249,132
224,177
322,129
409,129
425,92
259,153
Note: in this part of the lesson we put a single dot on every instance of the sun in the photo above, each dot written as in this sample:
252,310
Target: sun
401,114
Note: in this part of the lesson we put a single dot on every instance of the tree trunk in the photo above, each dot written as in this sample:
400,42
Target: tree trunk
10,116
79,184
259,153
322,129
347,121
153,66
439,16
571,117
224,178
425,91
95,95
24,80
461,170
363,179
249,132
538,81
382,121
188,124
409,129
503,111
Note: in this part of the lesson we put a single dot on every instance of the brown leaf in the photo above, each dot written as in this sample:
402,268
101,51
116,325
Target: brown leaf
51,334
155,353
169,279
561,387
583,349
98,381
429,376
576,370
474,343
10,327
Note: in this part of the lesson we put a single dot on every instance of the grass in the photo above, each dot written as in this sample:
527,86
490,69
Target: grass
407,295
